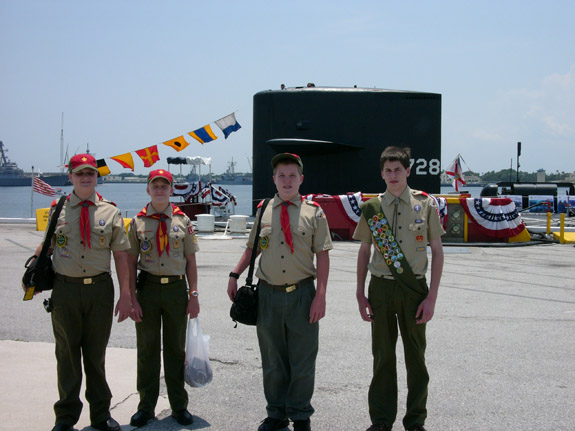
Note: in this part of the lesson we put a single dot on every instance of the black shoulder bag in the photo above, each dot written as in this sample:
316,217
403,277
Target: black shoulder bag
245,307
39,275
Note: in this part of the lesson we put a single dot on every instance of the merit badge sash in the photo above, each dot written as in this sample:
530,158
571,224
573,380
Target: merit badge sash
389,247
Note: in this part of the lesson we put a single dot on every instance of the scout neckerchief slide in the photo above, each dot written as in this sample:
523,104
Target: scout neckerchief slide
389,247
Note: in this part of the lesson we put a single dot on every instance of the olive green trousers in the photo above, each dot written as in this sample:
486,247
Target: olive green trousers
164,319
82,321
393,307
288,345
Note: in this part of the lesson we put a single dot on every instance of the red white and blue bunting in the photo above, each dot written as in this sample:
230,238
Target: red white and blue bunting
348,204
441,204
186,189
497,217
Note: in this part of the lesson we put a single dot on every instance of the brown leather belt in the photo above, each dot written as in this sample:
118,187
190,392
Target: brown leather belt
288,287
83,280
164,279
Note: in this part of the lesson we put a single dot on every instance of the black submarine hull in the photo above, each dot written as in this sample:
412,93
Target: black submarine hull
340,134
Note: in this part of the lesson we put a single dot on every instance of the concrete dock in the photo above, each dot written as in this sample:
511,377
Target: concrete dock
501,347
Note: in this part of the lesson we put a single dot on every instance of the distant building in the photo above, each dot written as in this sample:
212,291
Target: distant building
445,179
540,175
469,179
120,179
472,179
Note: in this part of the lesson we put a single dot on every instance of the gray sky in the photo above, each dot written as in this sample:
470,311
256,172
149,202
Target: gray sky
129,74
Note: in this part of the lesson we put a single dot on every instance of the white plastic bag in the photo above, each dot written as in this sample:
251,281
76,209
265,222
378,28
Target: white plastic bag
197,370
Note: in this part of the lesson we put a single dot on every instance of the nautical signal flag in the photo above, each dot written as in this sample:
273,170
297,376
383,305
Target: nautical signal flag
149,155
203,135
177,144
42,187
228,124
125,160
103,168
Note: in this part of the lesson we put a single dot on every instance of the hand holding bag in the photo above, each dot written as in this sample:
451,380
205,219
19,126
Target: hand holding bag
245,307
197,369
39,274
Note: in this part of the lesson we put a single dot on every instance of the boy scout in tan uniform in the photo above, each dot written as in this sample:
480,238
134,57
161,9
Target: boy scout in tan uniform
402,223
289,306
163,247
88,229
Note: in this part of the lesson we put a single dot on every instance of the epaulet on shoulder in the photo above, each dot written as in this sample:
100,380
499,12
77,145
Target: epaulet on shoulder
108,202
54,203
261,203
314,203
418,193
177,211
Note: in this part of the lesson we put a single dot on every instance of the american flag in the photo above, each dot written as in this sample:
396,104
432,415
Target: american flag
43,188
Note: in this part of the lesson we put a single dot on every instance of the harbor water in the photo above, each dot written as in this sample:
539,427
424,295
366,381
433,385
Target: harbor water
130,199
19,202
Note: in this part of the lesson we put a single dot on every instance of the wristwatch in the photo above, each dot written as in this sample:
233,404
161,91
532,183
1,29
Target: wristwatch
194,293
235,275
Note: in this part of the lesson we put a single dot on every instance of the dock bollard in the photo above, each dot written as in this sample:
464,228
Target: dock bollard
205,223
562,230
549,223
238,223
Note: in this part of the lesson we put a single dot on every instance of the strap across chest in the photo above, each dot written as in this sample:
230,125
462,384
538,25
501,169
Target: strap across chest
386,242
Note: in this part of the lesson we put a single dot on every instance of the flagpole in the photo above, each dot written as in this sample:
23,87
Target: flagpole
518,154
32,195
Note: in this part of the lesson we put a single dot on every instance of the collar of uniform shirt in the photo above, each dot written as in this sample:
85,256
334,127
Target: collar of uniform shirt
75,200
295,201
151,210
388,198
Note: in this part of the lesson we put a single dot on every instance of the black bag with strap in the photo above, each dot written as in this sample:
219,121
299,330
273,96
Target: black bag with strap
39,274
245,307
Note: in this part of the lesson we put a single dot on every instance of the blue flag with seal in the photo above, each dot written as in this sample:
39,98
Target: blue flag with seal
228,124
203,135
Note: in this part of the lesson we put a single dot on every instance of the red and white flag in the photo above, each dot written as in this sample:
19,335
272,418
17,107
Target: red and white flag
43,188
455,171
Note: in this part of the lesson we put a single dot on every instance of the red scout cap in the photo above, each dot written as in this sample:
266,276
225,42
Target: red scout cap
286,156
82,161
160,173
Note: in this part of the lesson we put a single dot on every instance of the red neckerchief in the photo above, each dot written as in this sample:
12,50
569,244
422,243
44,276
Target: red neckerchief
85,219
162,231
284,218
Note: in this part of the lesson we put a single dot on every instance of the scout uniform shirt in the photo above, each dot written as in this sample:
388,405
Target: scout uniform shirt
71,256
181,239
310,233
416,223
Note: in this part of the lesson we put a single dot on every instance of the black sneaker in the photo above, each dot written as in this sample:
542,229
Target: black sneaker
273,424
416,428
141,418
380,427
304,425
183,417
107,425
